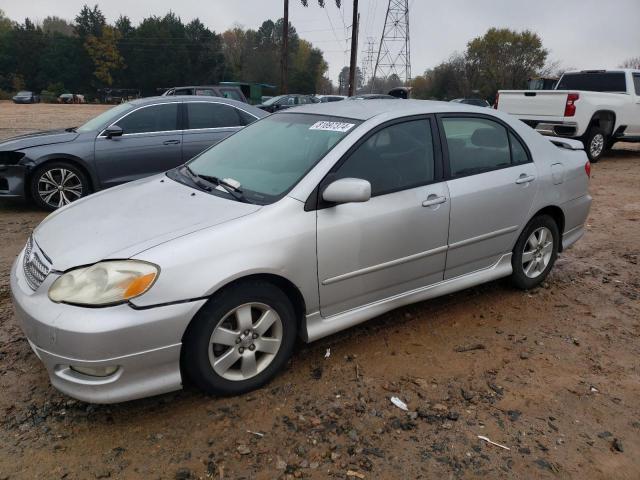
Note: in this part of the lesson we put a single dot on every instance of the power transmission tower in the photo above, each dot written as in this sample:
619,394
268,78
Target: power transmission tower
368,60
394,53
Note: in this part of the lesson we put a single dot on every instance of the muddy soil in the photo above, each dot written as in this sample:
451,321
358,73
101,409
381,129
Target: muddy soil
552,374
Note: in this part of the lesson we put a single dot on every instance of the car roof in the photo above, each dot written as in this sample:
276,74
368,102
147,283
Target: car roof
372,108
187,98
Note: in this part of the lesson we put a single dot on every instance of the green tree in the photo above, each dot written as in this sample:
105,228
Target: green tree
90,21
103,51
503,59
53,24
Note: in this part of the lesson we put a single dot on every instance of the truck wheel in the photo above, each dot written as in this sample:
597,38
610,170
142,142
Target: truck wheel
595,143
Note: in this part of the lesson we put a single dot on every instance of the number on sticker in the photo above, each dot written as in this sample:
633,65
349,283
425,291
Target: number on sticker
332,126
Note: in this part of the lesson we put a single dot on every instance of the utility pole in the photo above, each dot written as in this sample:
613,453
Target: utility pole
285,49
354,49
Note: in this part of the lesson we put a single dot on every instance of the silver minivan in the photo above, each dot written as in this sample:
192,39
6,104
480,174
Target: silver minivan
304,223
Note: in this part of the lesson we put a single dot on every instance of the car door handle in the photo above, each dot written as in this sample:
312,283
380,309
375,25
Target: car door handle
525,179
171,142
433,200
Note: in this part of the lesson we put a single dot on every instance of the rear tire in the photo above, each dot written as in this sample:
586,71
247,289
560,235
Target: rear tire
535,252
56,184
595,143
226,350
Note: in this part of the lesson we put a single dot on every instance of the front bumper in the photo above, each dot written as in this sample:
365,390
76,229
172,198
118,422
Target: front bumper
144,344
12,181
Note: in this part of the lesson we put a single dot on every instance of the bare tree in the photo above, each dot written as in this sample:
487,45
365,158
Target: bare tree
633,62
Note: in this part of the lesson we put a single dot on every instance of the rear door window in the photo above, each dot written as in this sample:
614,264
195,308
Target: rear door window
184,91
213,115
475,145
155,118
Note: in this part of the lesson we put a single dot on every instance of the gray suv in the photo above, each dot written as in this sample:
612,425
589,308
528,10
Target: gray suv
125,143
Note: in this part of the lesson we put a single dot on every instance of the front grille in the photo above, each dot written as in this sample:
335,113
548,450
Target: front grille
35,264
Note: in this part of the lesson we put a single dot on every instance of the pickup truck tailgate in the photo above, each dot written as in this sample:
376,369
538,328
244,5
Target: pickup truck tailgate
542,103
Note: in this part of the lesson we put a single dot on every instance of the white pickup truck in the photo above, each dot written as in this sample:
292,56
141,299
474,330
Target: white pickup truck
599,107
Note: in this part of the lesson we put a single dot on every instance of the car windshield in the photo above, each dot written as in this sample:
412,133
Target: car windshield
105,118
270,156
273,100
23,94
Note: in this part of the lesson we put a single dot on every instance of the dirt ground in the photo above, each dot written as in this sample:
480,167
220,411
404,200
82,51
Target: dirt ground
553,374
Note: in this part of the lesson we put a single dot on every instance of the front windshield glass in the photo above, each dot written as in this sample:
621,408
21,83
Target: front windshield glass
270,156
105,118
273,100
23,94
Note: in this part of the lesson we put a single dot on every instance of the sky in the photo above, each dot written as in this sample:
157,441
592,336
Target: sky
580,34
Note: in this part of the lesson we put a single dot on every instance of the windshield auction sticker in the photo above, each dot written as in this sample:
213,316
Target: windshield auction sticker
332,126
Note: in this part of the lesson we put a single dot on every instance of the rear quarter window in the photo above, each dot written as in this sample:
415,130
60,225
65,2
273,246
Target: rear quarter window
594,82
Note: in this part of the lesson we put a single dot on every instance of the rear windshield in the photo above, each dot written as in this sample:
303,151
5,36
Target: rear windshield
594,82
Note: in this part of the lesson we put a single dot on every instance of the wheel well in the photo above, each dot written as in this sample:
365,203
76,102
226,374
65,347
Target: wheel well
605,120
72,161
290,290
558,216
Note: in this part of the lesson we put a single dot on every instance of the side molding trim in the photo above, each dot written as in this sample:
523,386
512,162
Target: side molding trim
318,327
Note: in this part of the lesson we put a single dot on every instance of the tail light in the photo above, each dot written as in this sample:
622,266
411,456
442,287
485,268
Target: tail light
495,104
587,168
570,106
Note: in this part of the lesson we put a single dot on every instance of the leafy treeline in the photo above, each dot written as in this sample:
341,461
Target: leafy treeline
500,59
88,54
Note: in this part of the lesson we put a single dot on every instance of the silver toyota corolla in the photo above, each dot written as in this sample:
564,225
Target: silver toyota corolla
305,223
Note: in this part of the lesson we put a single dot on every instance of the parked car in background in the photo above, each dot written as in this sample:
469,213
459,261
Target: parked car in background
542,83
125,143
330,98
26,96
401,92
71,98
373,96
305,223
598,107
476,102
282,102
228,91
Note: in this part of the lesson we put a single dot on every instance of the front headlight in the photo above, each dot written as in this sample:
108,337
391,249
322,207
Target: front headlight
105,283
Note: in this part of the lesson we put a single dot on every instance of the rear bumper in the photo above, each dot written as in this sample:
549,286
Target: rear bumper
575,213
143,346
554,126
12,181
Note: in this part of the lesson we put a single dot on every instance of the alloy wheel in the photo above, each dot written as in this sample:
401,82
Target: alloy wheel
597,145
537,252
245,341
58,187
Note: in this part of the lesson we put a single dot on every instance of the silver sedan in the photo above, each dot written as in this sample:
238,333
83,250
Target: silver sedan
305,223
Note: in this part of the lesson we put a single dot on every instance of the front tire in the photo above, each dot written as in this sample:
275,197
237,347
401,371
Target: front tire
240,339
595,143
535,252
57,184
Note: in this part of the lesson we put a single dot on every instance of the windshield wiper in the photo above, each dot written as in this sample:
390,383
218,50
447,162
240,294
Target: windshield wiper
212,182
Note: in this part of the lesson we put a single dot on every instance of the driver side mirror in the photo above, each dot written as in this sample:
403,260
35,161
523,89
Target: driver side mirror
347,190
113,131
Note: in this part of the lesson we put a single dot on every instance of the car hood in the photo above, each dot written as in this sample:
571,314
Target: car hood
123,221
37,139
